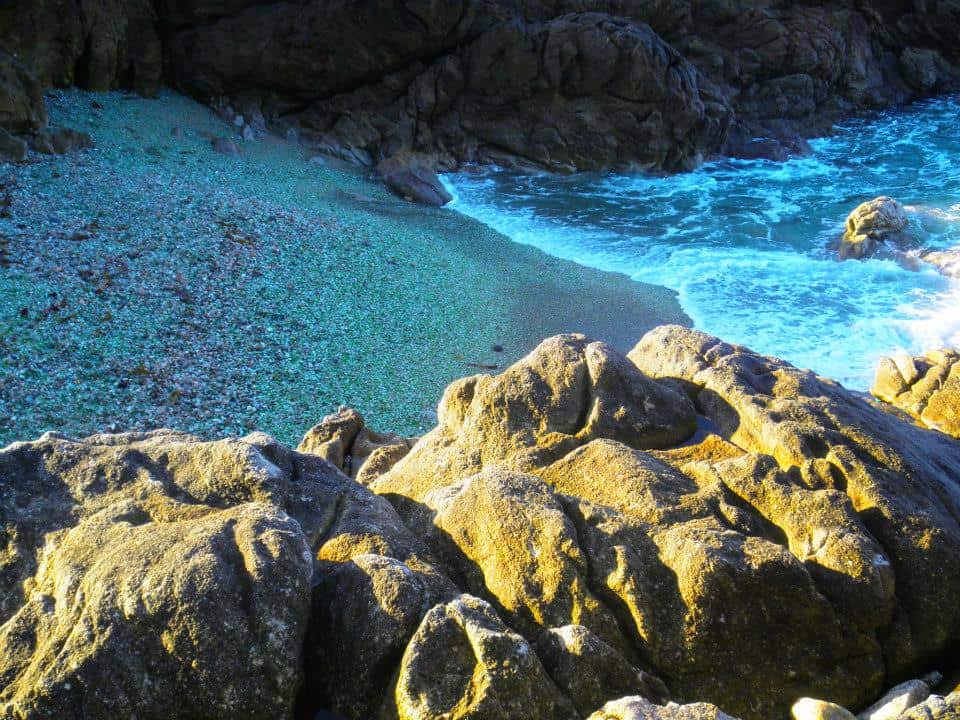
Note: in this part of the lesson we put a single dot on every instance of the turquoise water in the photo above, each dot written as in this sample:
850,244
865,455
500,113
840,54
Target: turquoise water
748,245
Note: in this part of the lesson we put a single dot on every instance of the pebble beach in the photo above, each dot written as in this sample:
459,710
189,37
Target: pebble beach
152,281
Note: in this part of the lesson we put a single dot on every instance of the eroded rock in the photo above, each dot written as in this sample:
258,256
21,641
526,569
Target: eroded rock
873,223
927,388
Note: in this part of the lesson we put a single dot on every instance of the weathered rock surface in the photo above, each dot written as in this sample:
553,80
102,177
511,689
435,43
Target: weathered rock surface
564,85
900,699
872,224
927,388
936,708
21,97
583,535
12,148
344,439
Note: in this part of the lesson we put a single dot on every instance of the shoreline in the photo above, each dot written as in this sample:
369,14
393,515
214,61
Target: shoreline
152,282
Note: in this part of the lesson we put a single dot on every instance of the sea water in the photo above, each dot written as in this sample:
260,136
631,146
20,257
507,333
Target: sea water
750,246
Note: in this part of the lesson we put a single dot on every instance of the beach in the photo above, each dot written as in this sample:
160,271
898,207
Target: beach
154,282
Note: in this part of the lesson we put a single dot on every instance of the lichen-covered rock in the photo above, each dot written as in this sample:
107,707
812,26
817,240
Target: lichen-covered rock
878,221
184,610
935,708
900,481
344,439
157,571
589,671
463,663
639,708
927,388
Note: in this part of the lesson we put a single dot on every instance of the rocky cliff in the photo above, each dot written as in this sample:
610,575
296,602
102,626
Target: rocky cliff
561,84
690,531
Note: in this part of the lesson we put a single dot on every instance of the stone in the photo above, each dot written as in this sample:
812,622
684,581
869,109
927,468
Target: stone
935,708
926,388
639,708
344,439
463,662
22,108
591,672
811,709
417,184
225,146
899,699
921,68
873,223
946,261
60,141
12,148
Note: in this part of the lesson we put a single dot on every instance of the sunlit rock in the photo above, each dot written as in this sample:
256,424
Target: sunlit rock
872,223
811,709
927,388
900,699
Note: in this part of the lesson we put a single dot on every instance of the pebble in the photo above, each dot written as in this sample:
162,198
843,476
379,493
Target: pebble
812,709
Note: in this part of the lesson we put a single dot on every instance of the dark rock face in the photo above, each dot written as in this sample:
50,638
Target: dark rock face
557,84
21,97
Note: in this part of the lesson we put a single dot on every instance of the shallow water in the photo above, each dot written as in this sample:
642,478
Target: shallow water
747,244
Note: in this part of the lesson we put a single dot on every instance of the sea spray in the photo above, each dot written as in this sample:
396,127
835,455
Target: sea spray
750,245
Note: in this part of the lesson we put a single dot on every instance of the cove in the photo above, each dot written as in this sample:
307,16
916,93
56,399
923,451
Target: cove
750,245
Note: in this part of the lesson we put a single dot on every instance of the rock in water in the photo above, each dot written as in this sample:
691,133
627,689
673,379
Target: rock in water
811,709
878,221
946,261
927,388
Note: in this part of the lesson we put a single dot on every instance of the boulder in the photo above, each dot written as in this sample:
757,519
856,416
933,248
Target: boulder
946,261
935,708
417,184
22,108
463,662
60,141
812,709
12,149
344,439
639,708
589,671
927,388
871,224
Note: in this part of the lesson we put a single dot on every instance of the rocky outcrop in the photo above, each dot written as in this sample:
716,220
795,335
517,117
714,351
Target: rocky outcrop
693,531
927,388
563,85
872,224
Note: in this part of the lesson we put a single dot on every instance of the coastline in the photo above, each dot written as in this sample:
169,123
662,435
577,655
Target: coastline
154,282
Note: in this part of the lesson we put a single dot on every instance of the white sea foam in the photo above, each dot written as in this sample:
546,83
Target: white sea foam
746,244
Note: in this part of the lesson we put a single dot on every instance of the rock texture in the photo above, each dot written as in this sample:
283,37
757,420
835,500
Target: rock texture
872,224
927,388
691,532
558,84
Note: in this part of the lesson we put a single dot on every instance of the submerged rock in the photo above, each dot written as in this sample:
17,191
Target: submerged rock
871,224
583,533
927,388
946,261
